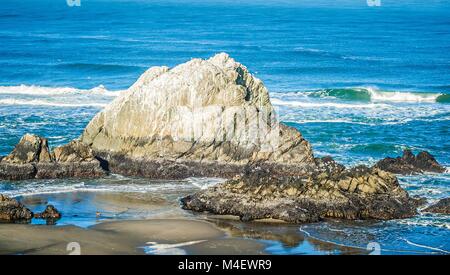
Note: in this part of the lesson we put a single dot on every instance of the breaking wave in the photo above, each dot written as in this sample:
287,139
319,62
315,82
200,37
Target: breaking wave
97,97
374,95
48,91
37,102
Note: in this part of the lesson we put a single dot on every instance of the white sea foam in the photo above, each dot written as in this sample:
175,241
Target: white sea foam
37,102
48,91
97,97
168,249
377,95
426,246
204,183
115,184
293,103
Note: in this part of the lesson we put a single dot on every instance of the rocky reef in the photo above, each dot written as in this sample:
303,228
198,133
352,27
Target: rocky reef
409,164
441,207
357,193
31,158
13,211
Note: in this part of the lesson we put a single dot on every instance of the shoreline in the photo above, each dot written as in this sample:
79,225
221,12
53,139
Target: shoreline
151,225
210,236
157,236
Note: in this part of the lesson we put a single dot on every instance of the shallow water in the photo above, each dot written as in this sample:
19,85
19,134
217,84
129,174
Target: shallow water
360,83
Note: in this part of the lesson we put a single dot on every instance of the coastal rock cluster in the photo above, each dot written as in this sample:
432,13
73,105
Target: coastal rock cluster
409,164
357,193
441,207
213,118
31,158
11,210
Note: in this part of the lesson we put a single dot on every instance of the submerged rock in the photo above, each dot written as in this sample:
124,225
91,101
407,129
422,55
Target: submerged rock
441,207
204,117
13,211
410,164
357,193
50,213
31,158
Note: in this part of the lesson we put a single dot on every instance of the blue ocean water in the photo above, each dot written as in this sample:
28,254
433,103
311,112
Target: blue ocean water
360,83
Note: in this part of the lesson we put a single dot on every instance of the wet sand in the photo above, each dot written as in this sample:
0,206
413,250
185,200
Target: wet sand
151,223
157,236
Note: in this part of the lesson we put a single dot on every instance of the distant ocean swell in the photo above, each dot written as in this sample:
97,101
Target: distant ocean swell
50,91
100,96
97,97
375,95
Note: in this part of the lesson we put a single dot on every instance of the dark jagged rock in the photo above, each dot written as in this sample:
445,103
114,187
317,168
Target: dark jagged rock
50,213
329,165
13,211
409,164
31,158
17,171
419,201
441,207
357,193
181,169
31,148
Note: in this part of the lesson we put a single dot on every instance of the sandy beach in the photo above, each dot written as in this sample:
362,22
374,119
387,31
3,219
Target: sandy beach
159,236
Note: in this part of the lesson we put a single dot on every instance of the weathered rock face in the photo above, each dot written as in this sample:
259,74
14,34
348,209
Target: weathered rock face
358,193
409,164
31,158
13,211
74,151
441,207
211,111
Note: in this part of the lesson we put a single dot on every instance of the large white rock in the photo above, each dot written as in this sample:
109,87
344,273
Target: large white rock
205,110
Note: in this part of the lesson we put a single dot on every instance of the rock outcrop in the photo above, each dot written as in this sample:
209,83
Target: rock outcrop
50,213
213,118
410,164
201,118
357,193
31,158
441,207
13,211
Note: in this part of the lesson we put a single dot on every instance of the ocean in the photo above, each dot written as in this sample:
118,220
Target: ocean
360,82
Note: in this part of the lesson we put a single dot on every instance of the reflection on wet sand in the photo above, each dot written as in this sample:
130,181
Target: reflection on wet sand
282,239
88,208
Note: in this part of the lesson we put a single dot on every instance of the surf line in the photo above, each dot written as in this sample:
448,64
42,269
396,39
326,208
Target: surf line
427,247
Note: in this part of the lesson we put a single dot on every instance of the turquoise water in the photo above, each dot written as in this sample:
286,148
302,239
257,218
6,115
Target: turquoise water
360,83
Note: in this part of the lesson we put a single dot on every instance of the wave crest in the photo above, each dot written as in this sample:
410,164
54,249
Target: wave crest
48,91
97,97
373,95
